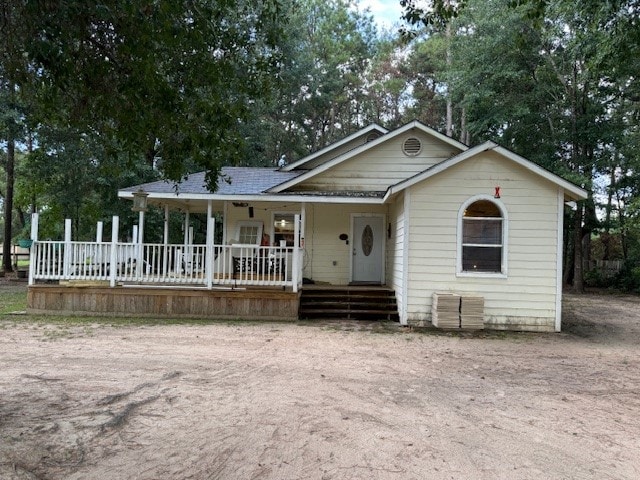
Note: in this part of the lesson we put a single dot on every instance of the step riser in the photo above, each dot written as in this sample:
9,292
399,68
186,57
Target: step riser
346,304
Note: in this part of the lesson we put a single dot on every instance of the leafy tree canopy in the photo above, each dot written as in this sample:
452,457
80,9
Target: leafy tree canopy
169,80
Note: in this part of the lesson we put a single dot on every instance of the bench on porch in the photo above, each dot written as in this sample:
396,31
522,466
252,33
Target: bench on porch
268,266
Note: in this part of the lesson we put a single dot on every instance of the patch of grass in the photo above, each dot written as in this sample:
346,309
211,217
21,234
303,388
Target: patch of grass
12,301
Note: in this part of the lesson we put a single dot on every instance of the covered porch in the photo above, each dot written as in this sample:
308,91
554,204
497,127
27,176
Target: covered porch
249,259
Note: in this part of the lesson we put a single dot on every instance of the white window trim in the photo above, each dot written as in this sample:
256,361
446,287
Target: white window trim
505,236
249,223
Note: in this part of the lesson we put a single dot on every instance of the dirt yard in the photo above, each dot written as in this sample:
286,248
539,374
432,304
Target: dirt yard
331,401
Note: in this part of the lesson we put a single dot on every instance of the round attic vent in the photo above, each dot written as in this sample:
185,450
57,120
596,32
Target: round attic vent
411,146
372,136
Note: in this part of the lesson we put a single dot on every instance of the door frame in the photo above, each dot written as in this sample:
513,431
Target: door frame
383,256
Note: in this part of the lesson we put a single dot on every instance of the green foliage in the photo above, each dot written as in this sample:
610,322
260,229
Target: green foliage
169,81
322,95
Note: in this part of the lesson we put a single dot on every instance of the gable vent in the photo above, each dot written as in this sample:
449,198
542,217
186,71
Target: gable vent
372,136
411,146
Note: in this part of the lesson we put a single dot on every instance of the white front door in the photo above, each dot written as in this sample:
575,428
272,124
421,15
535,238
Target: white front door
368,249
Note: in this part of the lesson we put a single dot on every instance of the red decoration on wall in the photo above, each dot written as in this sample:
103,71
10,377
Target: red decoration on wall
497,193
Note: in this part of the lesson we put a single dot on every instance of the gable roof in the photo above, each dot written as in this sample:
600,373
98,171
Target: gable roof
268,183
363,148
373,128
573,191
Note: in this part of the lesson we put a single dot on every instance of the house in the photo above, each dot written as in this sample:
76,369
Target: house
410,209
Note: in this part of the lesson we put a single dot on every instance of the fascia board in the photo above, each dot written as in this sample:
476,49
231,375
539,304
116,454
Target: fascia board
339,143
437,168
573,190
257,198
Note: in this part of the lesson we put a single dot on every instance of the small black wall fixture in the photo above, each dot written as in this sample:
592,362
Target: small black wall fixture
250,212
344,237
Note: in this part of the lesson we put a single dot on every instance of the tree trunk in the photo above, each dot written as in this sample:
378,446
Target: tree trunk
8,206
578,280
463,126
449,103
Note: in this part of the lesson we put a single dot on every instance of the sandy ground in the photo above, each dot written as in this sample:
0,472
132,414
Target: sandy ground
331,401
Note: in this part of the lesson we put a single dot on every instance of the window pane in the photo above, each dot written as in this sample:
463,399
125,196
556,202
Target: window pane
482,208
283,228
487,232
248,234
482,259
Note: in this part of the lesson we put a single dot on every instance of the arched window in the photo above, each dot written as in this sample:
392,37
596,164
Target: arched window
481,239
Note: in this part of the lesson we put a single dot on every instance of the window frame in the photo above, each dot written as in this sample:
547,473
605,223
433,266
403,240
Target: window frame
291,214
460,272
249,223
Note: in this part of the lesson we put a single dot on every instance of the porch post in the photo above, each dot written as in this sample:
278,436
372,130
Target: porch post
66,267
296,252
208,268
113,260
225,217
32,252
99,228
185,242
99,252
165,242
140,241
303,222
187,221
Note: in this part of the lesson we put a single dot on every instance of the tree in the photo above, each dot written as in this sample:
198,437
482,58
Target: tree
170,81
323,94
550,80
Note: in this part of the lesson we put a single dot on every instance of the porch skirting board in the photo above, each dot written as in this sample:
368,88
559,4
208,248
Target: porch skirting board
245,304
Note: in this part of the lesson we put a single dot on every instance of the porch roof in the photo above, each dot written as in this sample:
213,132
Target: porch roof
232,181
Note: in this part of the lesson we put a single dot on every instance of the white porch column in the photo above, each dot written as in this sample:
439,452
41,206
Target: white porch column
208,268
98,255
187,221
140,247
32,252
113,260
296,252
66,266
225,218
183,256
165,243
99,229
303,222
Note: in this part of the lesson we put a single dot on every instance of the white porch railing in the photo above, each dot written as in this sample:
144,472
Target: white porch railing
159,264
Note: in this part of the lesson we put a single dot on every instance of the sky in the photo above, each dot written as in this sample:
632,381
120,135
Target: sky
385,12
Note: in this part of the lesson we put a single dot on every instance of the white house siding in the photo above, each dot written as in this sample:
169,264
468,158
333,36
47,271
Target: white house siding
526,298
323,247
381,166
395,250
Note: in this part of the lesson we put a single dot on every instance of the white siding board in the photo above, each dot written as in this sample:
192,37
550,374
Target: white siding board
526,298
395,250
325,222
380,166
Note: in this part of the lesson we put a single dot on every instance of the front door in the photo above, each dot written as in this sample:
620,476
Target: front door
368,249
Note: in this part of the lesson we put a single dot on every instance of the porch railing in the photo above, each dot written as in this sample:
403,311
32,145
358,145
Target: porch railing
160,264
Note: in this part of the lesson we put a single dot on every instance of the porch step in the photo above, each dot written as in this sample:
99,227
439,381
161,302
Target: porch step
351,303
